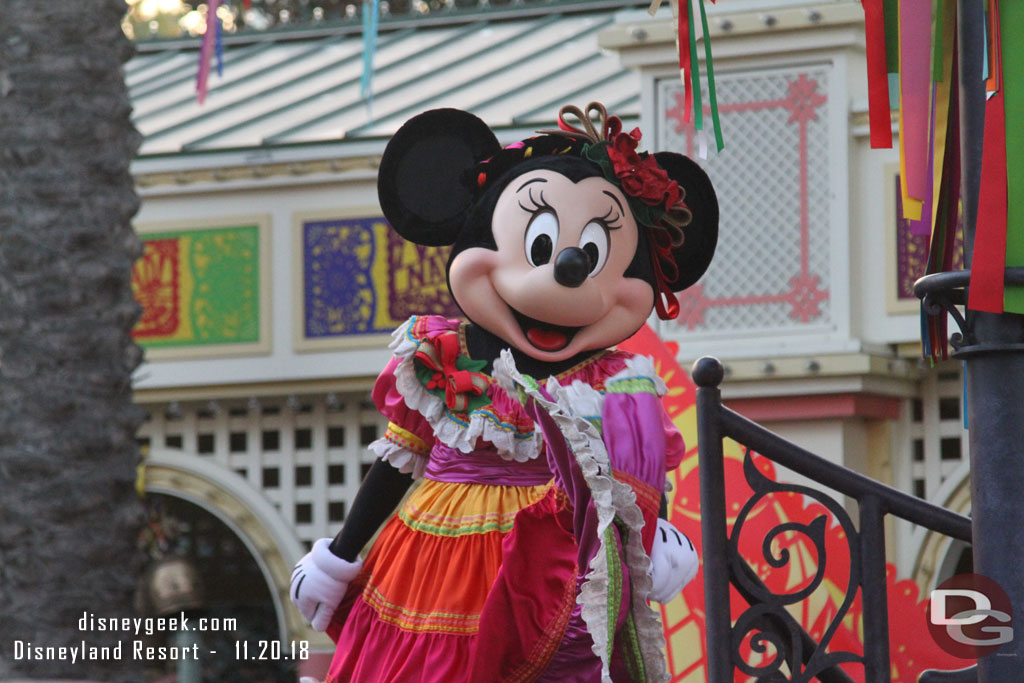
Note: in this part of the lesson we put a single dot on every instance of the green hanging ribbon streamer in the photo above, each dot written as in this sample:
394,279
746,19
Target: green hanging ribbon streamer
712,99
698,106
891,11
938,10
1011,66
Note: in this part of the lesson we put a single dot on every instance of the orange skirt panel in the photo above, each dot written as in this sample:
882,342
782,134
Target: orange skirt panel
433,564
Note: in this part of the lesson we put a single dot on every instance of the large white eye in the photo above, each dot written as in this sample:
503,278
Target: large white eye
541,238
594,243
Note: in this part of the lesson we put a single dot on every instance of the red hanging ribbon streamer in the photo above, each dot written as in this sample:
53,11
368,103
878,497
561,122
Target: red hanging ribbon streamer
684,57
878,74
989,258
990,238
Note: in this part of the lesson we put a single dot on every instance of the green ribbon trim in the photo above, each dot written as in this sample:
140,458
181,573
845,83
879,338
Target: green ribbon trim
634,660
712,98
450,532
631,650
523,392
596,423
614,584
698,106
632,385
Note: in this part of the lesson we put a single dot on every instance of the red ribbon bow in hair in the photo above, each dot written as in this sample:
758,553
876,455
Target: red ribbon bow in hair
439,354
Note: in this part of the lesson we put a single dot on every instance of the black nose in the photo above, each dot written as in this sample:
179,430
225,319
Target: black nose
571,267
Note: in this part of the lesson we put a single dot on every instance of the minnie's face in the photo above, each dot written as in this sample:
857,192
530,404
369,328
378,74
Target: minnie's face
555,285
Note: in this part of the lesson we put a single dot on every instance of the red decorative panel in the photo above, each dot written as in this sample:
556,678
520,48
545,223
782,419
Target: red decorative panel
156,281
772,269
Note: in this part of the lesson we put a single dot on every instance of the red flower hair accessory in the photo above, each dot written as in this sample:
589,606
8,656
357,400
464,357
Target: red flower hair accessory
641,177
655,200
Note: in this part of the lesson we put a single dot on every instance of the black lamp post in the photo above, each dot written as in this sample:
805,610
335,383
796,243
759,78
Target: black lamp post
992,348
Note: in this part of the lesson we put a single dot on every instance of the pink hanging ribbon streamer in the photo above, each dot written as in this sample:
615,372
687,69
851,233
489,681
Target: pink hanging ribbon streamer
209,38
916,91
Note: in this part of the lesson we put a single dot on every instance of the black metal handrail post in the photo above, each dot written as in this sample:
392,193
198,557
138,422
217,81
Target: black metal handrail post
718,617
876,613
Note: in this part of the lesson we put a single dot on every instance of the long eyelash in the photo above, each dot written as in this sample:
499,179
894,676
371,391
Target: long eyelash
538,206
610,221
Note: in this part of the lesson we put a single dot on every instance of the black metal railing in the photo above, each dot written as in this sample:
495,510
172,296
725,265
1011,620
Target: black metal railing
942,293
766,620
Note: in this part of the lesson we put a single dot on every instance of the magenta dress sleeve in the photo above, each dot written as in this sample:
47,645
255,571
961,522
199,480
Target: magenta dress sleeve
643,445
409,437
675,446
634,434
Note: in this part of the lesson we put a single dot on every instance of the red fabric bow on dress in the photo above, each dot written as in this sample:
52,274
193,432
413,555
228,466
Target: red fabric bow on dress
439,354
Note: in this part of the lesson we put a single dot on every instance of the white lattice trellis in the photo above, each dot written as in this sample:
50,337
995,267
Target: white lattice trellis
772,268
931,461
937,441
307,455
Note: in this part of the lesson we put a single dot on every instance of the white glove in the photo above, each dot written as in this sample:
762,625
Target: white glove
673,562
319,582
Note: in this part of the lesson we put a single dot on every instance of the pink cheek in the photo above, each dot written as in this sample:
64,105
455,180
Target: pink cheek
470,275
472,264
635,296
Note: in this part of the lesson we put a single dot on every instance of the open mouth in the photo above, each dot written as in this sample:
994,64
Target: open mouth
545,336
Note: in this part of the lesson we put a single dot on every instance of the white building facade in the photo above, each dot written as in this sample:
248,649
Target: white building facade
270,279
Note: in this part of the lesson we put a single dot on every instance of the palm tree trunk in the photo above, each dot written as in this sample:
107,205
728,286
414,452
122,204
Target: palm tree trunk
68,512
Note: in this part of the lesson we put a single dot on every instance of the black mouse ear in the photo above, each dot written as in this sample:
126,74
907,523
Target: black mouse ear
422,180
694,256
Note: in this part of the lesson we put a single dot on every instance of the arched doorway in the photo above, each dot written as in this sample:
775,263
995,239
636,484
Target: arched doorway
233,618
250,552
939,556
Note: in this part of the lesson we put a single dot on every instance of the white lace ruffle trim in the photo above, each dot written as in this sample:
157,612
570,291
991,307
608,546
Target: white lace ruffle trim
450,431
611,499
400,458
640,367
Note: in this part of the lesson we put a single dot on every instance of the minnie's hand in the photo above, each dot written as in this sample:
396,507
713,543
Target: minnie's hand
319,582
673,562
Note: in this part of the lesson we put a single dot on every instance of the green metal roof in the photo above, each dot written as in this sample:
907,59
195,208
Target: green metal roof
286,89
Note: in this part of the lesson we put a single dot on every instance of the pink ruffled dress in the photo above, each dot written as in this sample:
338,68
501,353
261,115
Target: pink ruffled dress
522,553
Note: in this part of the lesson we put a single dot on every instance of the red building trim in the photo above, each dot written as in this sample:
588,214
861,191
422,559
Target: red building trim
826,406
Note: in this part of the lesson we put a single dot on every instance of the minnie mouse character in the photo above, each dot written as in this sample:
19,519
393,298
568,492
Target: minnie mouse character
533,543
